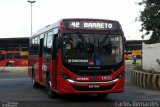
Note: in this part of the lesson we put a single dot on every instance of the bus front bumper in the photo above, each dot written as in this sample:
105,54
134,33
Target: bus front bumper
70,86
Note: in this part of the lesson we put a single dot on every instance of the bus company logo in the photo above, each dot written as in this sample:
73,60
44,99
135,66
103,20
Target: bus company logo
94,67
78,60
98,62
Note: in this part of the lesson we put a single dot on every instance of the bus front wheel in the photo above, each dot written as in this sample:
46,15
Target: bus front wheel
51,93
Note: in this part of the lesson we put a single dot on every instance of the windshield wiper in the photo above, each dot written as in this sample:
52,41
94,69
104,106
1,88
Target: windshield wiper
103,41
81,37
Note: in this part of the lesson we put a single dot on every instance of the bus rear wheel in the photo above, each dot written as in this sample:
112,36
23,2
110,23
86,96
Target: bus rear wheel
51,93
34,83
9,65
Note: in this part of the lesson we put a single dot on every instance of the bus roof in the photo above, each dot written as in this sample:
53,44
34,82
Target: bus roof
91,19
48,27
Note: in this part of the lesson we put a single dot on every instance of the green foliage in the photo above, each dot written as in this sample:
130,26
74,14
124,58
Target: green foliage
150,18
138,67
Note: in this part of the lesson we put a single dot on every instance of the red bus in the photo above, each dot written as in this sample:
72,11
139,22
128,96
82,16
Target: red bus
13,58
78,56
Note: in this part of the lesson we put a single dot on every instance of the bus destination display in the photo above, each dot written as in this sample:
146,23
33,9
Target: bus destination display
93,25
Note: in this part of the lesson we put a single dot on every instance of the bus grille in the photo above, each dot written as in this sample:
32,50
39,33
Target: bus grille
93,72
101,88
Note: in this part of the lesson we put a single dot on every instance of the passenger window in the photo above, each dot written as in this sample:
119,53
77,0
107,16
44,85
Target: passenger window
49,42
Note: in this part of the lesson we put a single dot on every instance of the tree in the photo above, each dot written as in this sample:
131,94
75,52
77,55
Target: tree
150,18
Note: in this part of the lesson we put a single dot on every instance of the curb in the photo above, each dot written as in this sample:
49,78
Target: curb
14,69
145,80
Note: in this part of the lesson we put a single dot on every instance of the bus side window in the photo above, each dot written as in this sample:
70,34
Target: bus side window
36,46
45,44
17,56
49,42
9,56
31,46
2,57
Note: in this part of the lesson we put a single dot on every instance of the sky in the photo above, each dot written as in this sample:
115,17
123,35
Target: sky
15,15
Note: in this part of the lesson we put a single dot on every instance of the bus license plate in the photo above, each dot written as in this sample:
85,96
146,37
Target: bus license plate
93,86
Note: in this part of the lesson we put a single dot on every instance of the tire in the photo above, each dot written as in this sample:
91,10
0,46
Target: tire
102,95
50,92
34,83
9,65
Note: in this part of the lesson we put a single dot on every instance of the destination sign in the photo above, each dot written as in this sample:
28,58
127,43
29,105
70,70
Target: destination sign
93,25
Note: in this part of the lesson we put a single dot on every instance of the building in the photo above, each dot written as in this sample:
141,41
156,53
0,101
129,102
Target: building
14,44
14,51
133,45
134,48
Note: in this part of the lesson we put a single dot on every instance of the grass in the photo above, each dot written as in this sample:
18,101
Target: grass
138,67
1,69
131,61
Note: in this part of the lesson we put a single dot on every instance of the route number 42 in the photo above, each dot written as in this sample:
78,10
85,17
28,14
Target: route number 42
75,24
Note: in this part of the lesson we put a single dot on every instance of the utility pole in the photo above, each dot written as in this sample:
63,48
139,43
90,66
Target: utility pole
31,12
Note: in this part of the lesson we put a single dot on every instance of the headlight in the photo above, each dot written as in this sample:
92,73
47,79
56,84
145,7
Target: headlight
120,75
65,76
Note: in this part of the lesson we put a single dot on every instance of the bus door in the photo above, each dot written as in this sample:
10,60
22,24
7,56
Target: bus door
47,50
54,61
40,60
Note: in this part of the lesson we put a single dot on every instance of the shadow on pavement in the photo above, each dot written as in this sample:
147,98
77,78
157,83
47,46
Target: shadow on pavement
83,98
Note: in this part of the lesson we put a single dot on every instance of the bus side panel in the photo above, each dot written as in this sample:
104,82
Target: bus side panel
24,62
3,63
17,62
34,67
46,68
59,66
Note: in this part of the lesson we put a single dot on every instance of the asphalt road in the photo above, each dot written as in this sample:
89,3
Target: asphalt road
16,88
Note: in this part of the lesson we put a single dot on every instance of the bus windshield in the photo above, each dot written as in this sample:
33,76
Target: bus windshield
92,49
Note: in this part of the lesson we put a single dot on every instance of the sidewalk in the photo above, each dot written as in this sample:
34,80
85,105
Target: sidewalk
13,69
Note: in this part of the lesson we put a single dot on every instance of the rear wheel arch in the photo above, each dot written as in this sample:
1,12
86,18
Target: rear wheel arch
34,83
9,64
